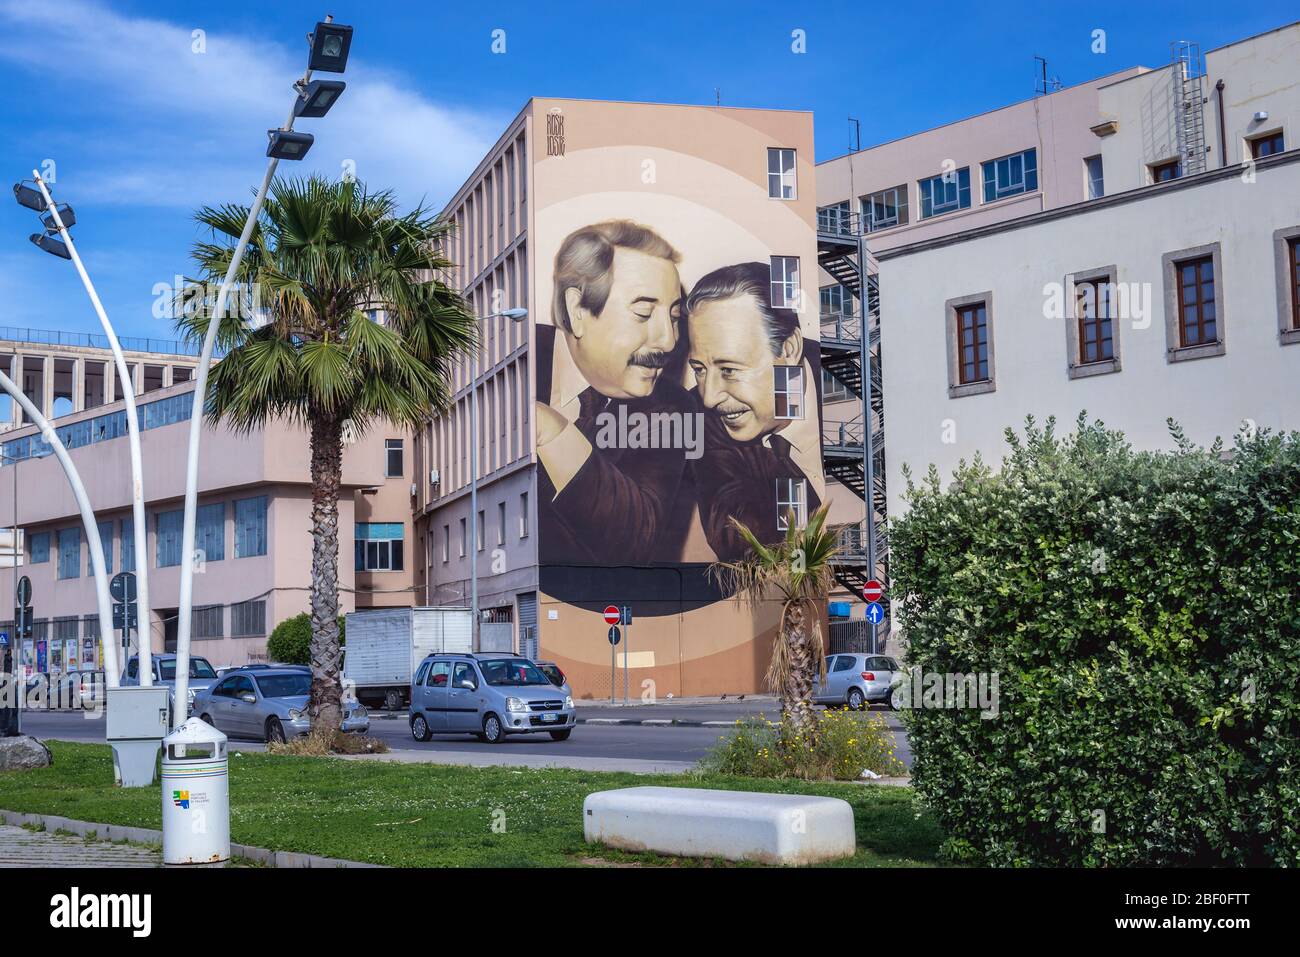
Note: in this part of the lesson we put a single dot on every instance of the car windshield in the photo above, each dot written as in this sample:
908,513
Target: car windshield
511,671
284,686
199,668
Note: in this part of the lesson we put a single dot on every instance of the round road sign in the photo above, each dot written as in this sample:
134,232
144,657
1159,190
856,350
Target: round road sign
615,636
872,590
612,615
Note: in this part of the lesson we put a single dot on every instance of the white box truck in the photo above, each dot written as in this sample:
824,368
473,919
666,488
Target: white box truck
386,645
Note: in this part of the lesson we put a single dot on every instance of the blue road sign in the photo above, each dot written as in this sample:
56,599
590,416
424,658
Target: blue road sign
615,636
875,613
627,615
4,639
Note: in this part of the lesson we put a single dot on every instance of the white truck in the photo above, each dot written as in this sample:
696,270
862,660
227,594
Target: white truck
386,645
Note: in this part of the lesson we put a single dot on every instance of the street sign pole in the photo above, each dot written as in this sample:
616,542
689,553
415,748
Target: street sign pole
613,662
627,640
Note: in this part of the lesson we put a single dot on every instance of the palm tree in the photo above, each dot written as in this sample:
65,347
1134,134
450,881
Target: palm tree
798,569
321,253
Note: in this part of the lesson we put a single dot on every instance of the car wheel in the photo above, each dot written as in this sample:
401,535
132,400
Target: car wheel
419,728
896,699
393,700
274,731
561,735
492,730
206,719
856,701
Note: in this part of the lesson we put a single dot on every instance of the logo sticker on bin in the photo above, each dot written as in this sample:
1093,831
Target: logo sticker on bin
181,799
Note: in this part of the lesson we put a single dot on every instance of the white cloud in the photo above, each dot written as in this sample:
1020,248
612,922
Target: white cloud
146,120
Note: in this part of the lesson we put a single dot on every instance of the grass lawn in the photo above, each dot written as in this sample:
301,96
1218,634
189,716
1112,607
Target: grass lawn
430,815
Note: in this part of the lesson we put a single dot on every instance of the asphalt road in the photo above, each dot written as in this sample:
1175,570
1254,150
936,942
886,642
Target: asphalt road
592,746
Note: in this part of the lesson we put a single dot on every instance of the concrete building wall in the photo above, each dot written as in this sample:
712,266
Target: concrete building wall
1017,267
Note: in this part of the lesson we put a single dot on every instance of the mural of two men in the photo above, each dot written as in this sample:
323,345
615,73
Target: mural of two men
719,379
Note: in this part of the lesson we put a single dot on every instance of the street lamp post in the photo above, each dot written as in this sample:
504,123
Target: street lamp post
516,315
9,657
54,220
330,44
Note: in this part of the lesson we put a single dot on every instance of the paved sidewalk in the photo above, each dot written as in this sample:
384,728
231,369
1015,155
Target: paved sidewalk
20,847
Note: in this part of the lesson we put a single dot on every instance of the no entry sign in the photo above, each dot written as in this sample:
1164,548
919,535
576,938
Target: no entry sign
612,615
872,590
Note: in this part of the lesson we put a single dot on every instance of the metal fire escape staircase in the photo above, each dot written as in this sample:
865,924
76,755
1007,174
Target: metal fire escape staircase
842,253
1189,104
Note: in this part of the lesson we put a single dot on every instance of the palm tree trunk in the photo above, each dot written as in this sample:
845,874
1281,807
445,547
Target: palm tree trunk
796,696
326,707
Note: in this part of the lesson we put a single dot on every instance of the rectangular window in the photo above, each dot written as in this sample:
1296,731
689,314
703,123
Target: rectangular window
832,388
1093,310
480,528
168,533
973,343
835,219
1293,261
379,546
127,528
210,531
780,174
69,553
791,499
788,385
523,514
40,548
885,209
248,619
1094,176
393,458
446,544
501,523
1164,172
106,541
785,282
464,540
946,193
1267,145
207,621
250,526
1197,318
1010,175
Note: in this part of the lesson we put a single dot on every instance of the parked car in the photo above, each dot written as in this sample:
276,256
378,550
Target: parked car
857,680
269,703
558,677
487,695
202,674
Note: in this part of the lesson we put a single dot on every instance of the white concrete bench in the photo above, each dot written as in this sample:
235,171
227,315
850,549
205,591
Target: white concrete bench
736,825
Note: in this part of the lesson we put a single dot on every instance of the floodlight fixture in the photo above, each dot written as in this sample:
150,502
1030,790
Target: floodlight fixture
29,197
288,144
51,244
329,47
316,98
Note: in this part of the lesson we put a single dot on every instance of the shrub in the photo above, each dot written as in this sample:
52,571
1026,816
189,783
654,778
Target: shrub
319,743
841,746
290,641
1140,610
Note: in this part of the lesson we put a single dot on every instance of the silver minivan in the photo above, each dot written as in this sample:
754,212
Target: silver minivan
488,696
856,680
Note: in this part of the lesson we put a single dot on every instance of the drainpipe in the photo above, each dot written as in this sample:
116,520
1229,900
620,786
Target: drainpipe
1223,129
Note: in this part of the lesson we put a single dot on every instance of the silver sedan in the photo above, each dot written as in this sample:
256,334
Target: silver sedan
268,704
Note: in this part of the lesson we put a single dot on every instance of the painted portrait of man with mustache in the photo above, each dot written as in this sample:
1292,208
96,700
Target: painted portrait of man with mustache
616,308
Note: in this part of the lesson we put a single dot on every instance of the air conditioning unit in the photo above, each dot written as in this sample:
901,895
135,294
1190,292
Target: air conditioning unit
433,476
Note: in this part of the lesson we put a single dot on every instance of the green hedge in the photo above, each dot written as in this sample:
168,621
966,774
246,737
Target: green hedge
1142,614
290,642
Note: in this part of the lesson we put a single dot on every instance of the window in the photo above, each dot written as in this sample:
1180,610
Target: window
169,538
40,548
379,546
106,541
836,301
250,526
501,523
437,676
788,383
446,543
464,677
970,345
1287,243
1197,319
248,619
69,553
210,531
785,282
1010,175
1193,303
1267,145
835,219
973,343
946,193
780,174
127,527
523,514
832,388
790,500
464,540
181,374
1095,179
1294,261
885,209
207,621
393,458
480,527
1164,172
1092,309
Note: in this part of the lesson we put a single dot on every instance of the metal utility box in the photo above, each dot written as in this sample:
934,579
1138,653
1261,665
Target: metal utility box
135,725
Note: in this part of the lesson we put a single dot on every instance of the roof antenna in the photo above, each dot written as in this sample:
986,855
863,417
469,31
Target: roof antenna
717,96
855,141
1043,85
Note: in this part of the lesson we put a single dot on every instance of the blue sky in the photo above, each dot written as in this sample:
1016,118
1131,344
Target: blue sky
142,129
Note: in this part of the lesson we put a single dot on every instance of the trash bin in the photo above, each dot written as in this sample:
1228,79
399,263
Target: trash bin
195,795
